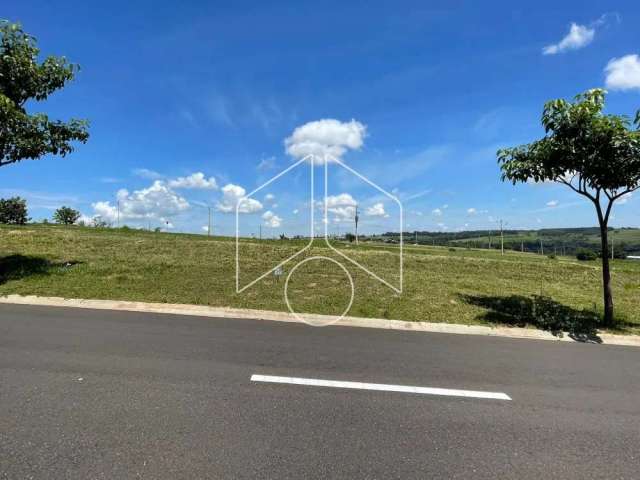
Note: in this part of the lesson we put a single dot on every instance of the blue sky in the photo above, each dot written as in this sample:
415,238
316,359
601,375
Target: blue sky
418,97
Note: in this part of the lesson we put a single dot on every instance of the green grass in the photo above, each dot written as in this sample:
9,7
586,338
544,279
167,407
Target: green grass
465,286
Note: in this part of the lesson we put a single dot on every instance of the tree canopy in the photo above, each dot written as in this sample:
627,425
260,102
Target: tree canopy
66,215
22,78
583,148
13,211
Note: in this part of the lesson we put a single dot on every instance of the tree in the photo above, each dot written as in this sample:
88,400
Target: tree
349,237
23,79
66,216
13,211
594,154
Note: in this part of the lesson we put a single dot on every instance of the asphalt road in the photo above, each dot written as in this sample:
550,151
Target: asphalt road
96,394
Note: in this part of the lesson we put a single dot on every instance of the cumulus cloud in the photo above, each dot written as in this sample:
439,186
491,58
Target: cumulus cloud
296,211
325,137
552,203
269,197
623,73
579,36
471,211
194,181
437,212
376,210
155,202
232,195
271,219
342,206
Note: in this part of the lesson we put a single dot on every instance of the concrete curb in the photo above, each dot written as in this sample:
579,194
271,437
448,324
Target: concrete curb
241,313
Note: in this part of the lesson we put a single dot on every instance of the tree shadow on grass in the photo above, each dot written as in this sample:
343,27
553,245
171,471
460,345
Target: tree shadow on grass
15,267
540,312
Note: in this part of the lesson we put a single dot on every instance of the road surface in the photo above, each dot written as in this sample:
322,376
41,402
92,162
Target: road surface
100,394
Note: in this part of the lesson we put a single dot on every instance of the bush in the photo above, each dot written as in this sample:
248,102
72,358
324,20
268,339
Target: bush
350,237
551,256
586,255
13,211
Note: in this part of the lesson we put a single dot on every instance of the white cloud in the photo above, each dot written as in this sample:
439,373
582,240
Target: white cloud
268,163
344,199
155,202
232,195
148,174
269,197
271,219
376,210
437,212
625,198
205,228
623,73
553,203
471,211
296,211
325,137
579,36
194,181
342,206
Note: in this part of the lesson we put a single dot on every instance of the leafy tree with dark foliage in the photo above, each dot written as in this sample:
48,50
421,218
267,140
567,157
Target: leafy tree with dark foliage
23,79
13,211
66,216
595,154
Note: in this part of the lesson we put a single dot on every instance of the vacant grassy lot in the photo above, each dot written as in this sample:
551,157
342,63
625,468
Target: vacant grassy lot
440,285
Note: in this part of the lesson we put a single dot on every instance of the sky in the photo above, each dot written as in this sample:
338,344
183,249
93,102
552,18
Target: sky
194,105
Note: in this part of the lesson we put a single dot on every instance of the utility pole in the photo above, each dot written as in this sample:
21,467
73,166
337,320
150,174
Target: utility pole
522,246
541,248
490,233
260,231
501,239
118,214
416,237
357,218
209,227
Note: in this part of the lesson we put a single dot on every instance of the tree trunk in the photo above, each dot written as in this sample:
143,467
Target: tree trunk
606,277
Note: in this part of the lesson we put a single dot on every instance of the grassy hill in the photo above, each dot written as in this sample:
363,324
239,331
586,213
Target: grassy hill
559,240
441,284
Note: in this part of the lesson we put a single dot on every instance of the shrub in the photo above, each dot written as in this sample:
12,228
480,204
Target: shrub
586,255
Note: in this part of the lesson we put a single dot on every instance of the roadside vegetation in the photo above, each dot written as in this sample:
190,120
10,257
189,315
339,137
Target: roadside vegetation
441,284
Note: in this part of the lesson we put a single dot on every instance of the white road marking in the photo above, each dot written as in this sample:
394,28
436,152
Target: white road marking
380,387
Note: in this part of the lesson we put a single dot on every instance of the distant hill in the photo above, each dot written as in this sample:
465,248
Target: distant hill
566,241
